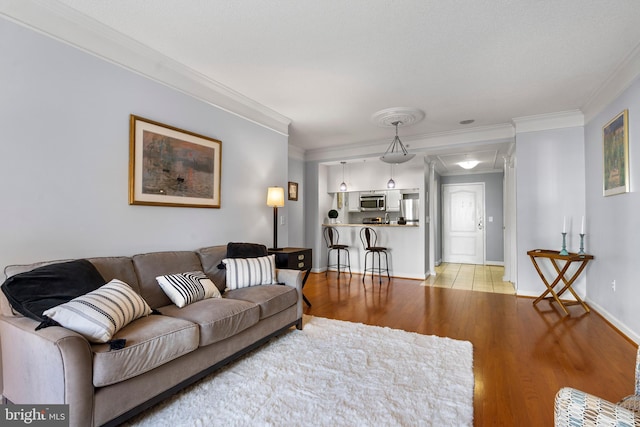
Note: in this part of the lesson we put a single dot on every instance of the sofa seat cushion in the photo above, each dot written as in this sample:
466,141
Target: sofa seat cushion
151,342
218,318
271,299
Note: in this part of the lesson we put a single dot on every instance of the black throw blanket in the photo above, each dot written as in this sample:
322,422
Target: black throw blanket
33,292
244,250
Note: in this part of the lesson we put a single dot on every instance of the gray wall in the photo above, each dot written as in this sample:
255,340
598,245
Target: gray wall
493,190
549,186
64,153
295,209
613,227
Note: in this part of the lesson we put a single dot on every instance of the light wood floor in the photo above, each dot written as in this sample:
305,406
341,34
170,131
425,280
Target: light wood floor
481,278
522,354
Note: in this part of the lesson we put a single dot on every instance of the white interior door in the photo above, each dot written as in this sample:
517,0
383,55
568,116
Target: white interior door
463,223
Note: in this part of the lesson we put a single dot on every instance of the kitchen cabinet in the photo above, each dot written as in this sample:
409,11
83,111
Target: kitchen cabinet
393,200
373,176
353,201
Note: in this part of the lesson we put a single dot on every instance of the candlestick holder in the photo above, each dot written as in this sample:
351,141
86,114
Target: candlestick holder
581,244
564,245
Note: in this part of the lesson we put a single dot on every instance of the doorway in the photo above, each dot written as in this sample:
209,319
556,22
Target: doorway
463,235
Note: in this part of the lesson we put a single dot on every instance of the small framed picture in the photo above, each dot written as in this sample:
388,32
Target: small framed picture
293,191
615,146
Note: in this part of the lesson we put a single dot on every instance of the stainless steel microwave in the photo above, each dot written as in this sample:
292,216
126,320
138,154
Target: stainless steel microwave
372,202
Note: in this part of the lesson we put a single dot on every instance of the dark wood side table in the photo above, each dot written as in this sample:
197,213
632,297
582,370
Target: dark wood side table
554,257
294,259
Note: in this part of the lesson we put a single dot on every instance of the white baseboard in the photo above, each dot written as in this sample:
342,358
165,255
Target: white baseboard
615,322
604,313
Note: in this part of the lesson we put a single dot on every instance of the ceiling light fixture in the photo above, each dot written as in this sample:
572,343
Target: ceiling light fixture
468,164
343,185
396,153
391,183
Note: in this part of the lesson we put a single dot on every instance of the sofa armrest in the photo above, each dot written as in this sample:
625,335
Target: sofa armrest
50,366
577,408
292,278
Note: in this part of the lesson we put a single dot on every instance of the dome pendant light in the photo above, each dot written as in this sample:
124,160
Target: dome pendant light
468,164
343,185
396,153
391,183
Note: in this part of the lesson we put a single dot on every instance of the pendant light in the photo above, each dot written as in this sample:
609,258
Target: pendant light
396,153
391,183
343,185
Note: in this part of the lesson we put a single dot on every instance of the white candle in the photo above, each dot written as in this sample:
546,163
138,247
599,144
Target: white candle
564,224
582,229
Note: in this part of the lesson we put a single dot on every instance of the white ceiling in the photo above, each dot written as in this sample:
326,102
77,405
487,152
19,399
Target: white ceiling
328,65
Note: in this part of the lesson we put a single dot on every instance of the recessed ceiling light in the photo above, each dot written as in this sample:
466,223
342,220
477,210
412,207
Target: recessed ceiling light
467,122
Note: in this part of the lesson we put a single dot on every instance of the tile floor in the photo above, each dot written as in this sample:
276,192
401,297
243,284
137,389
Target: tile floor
481,278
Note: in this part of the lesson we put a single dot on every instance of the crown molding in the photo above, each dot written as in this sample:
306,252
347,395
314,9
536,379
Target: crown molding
419,143
620,80
65,24
563,119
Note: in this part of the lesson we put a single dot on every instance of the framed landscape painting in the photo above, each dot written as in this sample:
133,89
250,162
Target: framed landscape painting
172,167
615,143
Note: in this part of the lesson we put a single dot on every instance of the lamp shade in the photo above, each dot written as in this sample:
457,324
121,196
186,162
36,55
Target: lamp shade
275,197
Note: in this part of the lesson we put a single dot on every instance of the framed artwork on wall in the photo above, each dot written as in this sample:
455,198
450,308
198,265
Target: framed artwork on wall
172,167
293,191
615,146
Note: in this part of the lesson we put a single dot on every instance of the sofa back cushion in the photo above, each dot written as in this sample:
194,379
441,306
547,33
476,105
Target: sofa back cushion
154,264
109,267
210,258
117,267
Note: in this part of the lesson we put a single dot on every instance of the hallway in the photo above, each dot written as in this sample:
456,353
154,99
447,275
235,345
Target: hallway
470,277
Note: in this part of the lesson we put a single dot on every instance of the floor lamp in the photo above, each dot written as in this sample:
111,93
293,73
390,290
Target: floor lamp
275,199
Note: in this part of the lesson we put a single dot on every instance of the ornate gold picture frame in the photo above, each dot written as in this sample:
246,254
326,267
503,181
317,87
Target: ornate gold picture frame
172,167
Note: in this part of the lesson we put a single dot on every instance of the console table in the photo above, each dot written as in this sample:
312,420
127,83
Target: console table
554,257
294,259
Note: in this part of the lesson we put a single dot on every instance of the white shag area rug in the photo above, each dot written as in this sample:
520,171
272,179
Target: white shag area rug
332,373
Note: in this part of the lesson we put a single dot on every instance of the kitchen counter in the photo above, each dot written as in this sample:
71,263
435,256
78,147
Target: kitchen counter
405,245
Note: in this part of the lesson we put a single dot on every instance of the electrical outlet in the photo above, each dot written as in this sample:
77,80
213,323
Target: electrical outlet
613,285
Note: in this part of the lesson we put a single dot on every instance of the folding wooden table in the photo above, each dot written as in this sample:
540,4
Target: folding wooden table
554,257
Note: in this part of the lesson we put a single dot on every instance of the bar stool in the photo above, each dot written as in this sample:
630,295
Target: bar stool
332,238
369,239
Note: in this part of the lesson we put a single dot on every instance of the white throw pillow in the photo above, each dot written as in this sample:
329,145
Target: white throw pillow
186,288
99,314
245,272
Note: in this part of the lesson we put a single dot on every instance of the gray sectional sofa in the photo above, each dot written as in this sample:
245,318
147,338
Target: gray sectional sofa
163,353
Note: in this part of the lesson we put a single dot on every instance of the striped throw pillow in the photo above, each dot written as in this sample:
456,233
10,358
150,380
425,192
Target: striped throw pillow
99,314
245,272
186,288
